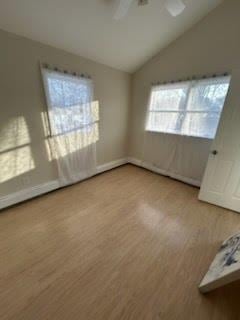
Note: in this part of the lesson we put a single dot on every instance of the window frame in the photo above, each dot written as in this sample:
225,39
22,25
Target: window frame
190,85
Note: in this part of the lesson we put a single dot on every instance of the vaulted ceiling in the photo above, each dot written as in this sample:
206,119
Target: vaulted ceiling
87,27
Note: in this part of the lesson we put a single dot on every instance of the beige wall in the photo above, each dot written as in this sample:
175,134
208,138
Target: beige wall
24,160
212,46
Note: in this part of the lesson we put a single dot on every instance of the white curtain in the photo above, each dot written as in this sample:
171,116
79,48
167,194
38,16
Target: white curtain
181,123
191,108
73,125
180,157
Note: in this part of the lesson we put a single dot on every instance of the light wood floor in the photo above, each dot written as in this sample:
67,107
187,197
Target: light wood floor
127,244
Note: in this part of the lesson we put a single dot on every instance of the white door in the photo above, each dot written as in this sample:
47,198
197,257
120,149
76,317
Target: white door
221,182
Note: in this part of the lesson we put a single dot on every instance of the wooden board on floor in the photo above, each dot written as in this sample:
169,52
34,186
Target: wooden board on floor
127,244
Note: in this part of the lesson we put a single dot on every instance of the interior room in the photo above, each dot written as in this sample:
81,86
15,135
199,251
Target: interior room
119,160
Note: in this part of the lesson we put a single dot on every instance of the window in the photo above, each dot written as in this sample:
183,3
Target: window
69,101
190,108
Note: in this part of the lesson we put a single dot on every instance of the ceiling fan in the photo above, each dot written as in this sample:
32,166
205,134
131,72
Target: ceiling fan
174,7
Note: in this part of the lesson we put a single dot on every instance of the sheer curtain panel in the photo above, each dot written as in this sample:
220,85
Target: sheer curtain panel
73,125
181,122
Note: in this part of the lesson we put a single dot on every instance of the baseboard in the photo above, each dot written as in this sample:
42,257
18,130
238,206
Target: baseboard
135,161
27,194
155,169
41,189
111,165
32,192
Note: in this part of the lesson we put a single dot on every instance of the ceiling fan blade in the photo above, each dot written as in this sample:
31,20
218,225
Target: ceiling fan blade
175,7
122,9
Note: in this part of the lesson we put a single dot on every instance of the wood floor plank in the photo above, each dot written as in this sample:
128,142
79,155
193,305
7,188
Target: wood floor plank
127,244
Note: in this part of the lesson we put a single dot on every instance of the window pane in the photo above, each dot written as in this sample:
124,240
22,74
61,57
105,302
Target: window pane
70,102
208,96
171,97
65,93
164,122
190,108
200,124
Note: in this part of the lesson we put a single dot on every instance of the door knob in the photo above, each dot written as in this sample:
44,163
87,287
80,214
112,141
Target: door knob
214,152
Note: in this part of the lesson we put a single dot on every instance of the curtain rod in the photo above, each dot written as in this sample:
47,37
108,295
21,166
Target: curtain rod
215,75
75,74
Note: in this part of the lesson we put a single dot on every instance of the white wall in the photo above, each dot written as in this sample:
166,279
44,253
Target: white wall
24,161
210,47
